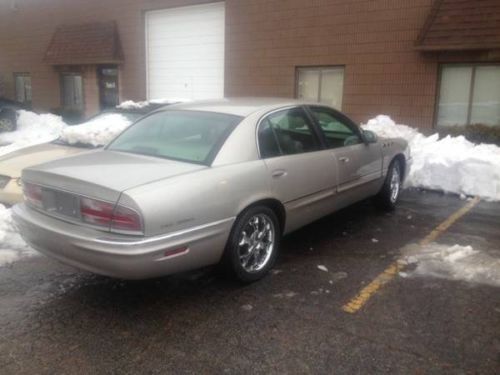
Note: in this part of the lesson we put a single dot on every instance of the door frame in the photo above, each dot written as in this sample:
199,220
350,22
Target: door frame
100,76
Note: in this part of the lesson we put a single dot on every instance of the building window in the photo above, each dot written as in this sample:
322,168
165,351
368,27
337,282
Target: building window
469,95
23,88
72,91
322,85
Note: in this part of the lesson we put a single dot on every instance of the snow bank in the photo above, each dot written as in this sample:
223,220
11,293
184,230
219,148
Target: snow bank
32,129
97,132
12,245
130,104
454,263
450,164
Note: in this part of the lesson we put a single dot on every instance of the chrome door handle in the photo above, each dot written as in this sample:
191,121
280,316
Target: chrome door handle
279,173
344,159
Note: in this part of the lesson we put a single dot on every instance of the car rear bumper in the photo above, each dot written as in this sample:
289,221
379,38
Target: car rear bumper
122,256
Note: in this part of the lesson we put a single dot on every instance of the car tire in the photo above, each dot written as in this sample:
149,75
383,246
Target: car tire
388,196
7,121
253,244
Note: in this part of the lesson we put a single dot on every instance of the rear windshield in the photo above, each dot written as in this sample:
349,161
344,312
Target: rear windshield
189,136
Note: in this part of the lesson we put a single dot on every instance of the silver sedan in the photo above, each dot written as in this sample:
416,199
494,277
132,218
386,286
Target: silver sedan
204,183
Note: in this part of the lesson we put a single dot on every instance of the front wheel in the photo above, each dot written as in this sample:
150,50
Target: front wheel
253,244
388,196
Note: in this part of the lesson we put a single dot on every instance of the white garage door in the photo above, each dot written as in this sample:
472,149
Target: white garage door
185,52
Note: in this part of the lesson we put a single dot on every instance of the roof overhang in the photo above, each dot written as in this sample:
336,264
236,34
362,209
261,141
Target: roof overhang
84,44
467,25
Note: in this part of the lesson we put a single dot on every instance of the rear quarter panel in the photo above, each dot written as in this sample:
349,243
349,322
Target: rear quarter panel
199,198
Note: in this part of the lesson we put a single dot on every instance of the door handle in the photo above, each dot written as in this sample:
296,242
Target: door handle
344,159
279,173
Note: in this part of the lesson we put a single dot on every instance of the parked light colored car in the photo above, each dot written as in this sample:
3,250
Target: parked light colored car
195,184
13,163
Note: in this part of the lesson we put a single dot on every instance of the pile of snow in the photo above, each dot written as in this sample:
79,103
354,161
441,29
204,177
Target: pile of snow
12,245
454,263
96,132
32,129
130,104
450,164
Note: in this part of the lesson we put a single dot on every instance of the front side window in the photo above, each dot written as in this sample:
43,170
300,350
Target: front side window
23,88
286,132
322,85
469,95
338,133
72,91
189,136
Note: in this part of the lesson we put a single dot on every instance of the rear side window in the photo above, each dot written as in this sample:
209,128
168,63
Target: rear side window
287,132
189,136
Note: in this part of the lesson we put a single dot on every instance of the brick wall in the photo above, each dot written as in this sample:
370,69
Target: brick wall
265,41
372,39
26,29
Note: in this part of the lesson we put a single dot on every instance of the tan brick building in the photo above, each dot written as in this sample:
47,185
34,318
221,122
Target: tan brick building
423,62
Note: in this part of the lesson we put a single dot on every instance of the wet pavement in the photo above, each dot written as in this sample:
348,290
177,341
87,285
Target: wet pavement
55,319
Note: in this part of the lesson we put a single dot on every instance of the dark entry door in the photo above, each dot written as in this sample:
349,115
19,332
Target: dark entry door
108,86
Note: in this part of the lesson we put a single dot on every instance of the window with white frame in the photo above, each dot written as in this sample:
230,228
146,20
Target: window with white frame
23,87
72,91
469,95
323,85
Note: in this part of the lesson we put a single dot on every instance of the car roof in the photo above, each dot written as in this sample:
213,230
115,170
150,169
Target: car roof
238,106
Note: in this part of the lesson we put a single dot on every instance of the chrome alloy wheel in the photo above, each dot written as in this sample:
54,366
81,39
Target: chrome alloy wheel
256,243
395,184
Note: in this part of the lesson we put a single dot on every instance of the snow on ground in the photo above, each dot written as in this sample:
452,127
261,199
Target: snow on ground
454,263
96,132
32,129
451,164
12,245
130,104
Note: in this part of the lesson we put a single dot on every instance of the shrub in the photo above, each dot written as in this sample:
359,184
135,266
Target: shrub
477,133
69,116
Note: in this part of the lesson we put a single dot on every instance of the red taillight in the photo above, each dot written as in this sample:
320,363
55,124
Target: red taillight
126,219
105,214
33,194
96,212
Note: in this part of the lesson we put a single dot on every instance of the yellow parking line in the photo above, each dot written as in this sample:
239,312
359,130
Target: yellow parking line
390,272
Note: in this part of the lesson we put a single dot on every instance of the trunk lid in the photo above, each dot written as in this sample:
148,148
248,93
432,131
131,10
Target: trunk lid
104,174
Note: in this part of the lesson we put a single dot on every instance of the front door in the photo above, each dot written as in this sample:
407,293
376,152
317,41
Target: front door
302,172
108,86
359,164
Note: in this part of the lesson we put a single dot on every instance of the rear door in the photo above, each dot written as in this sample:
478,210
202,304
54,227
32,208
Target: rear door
359,164
302,171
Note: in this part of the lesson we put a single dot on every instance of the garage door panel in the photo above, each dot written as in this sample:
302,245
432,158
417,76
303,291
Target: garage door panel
185,51
210,67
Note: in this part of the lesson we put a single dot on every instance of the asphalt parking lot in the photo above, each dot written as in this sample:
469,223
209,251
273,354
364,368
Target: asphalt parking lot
54,319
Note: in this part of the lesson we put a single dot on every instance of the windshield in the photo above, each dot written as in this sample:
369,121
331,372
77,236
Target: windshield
190,136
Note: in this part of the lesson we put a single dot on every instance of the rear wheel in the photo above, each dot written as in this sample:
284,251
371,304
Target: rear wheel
388,196
253,244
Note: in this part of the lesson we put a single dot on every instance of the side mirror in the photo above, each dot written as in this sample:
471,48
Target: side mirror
369,136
